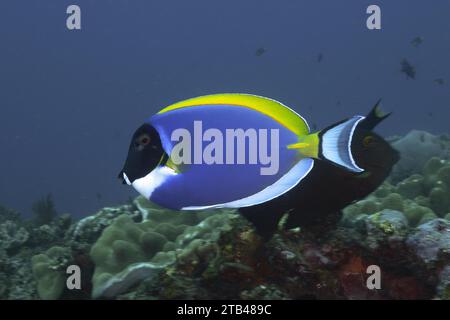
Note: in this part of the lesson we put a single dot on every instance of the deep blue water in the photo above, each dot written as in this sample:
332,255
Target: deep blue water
69,100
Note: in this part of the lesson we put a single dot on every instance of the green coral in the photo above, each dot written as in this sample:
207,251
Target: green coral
443,175
376,219
427,217
416,214
420,197
432,166
124,247
393,201
387,221
411,187
368,206
128,252
49,272
439,200
384,227
422,201
384,190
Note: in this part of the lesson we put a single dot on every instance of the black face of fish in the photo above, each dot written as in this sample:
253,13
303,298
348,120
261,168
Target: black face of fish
144,154
372,153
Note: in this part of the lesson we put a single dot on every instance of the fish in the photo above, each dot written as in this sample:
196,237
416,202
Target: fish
260,51
408,69
439,81
328,189
319,57
213,173
417,41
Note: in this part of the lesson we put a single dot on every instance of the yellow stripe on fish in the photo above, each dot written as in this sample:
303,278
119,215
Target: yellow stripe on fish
272,108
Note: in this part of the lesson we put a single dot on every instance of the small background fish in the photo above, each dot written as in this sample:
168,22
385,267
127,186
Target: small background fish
260,51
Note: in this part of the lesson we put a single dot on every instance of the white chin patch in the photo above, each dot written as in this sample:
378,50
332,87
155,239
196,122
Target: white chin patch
125,177
148,184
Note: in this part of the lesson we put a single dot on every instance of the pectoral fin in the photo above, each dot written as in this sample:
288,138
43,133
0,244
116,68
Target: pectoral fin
178,168
167,161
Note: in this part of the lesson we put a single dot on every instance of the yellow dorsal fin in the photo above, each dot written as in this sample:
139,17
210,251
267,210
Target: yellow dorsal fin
272,108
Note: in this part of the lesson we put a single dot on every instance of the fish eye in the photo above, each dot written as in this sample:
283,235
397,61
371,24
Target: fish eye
368,141
142,141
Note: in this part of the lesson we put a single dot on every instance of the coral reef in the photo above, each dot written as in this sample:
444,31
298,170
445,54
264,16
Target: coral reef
19,240
421,197
7,214
16,278
128,252
85,232
416,148
49,270
44,210
385,228
443,288
431,242
219,252
141,251
12,235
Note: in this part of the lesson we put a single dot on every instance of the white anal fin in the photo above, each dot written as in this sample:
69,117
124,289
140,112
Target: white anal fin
292,178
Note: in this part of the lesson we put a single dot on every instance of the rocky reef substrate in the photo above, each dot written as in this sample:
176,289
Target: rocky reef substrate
141,251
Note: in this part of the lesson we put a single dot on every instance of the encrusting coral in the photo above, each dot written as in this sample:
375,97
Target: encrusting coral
49,269
141,251
128,252
420,197
12,235
416,148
